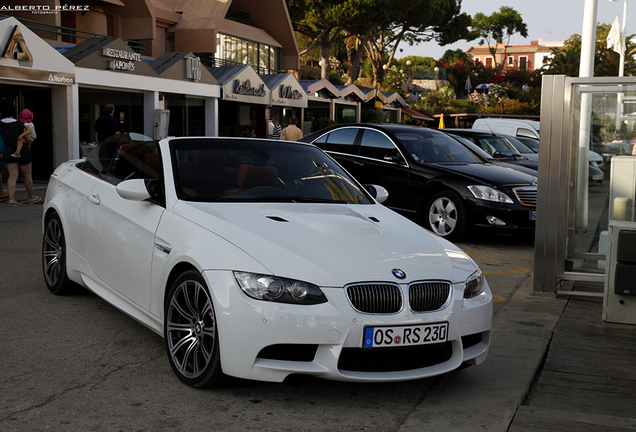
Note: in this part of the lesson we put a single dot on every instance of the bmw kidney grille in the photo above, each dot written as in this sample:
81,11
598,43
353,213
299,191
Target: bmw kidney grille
387,298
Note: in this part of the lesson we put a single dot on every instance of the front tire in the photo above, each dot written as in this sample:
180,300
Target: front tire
54,257
446,215
191,333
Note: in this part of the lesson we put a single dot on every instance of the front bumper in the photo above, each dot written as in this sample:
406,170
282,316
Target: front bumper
268,341
512,217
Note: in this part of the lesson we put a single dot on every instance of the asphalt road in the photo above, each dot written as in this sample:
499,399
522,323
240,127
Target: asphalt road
75,363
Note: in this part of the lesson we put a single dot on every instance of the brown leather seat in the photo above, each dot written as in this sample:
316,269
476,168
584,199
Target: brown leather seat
250,176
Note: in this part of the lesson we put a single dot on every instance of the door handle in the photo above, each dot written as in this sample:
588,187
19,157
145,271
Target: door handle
358,163
94,199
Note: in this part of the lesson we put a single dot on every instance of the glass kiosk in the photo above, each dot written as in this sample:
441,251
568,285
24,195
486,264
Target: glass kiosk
587,124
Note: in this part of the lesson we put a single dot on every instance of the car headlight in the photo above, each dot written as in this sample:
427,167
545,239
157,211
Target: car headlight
474,285
276,289
489,194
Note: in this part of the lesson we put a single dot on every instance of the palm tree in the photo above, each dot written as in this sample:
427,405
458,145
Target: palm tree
564,62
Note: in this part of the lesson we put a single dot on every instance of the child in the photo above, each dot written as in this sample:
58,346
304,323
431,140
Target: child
26,117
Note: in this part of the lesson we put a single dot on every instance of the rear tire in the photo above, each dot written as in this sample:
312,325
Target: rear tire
191,333
54,257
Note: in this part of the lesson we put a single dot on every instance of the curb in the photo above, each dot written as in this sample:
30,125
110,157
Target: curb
486,397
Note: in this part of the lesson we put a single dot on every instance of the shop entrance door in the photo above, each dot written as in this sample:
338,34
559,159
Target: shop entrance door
38,100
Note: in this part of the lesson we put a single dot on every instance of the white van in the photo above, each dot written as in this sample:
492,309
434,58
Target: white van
514,127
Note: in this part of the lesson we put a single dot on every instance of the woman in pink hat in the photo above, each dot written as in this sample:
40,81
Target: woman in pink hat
11,129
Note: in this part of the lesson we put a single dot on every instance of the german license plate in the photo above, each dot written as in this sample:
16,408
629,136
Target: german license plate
533,215
381,337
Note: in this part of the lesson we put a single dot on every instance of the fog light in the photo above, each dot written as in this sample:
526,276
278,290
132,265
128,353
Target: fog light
495,221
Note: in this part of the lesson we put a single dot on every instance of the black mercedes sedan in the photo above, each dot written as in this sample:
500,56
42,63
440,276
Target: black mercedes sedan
497,146
432,178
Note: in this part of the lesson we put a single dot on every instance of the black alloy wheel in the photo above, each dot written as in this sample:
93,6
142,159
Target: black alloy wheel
191,333
54,257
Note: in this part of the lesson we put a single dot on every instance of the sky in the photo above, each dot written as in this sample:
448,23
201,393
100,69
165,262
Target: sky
552,20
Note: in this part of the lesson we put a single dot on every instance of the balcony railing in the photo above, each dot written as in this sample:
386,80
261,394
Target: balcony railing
71,35
217,62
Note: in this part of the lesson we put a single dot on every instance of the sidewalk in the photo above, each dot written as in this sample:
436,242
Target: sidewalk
39,188
553,366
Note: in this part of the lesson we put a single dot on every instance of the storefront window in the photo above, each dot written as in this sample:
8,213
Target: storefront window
187,115
345,114
235,51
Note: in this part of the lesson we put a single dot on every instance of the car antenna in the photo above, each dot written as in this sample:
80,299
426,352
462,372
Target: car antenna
491,131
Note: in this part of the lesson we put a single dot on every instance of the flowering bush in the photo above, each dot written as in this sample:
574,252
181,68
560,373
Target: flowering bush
336,67
478,98
393,79
512,106
446,92
497,93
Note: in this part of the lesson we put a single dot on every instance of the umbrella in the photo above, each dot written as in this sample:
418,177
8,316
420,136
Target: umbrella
441,122
468,85
482,86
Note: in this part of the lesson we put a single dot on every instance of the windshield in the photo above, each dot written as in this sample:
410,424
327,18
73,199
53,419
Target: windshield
518,145
494,145
259,170
473,147
531,143
432,146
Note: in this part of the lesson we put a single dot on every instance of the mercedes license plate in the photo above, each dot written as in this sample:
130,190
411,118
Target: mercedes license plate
533,215
381,337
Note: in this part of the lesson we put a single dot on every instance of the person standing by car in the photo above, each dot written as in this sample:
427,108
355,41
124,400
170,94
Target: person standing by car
277,128
11,129
106,125
291,132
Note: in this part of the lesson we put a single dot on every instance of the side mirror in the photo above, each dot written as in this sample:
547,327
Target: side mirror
134,190
378,192
393,157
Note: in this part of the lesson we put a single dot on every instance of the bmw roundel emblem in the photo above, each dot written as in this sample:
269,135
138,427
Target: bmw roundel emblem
398,273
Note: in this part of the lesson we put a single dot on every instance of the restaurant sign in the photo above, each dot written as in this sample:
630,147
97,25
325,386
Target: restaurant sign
245,88
124,60
287,92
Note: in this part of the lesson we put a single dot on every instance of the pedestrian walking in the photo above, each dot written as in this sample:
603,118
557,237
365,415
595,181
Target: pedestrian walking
11,129
291,132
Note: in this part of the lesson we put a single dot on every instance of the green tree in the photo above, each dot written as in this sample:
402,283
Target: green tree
567,60
323,22
453,56
498,28
411,22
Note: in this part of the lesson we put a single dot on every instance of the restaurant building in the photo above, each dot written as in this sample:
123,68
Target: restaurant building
170,67
34,75
150,58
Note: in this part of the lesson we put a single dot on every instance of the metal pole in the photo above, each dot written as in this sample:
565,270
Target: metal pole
621,69
588,47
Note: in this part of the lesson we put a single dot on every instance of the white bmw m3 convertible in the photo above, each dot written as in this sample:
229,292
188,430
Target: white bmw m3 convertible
260,259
